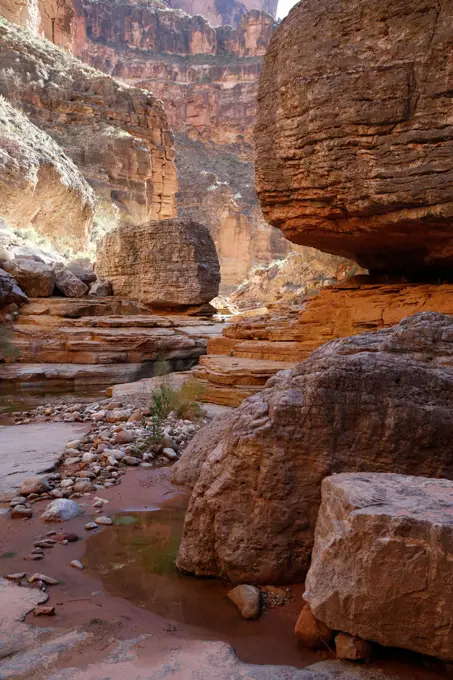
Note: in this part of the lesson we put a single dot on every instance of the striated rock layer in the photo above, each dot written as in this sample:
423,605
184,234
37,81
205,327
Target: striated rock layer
165,263
230,12
381,564
118,136
375,402
288,334
40,186
354,137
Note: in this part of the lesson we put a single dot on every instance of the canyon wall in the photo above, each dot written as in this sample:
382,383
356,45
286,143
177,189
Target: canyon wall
118,136
207,80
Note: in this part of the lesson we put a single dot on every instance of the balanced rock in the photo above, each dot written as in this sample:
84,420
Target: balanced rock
101,289
83,269
353,154
381,566
375,402
167,263
36,279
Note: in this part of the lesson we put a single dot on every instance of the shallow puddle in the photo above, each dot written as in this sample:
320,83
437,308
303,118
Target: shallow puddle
136,557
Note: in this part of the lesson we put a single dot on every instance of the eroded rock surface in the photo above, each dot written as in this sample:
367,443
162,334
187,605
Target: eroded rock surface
165,263
118,136
376,402
381,564
353,137
40,186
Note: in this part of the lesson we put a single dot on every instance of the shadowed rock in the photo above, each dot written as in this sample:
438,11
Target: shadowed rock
377,402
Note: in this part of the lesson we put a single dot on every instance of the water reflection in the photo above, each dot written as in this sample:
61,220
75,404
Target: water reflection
136,559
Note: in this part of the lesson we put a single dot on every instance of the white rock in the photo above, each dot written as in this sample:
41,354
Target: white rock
60,510
76,564
170,454
103,520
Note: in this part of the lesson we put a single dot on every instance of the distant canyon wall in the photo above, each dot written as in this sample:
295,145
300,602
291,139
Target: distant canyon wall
207,79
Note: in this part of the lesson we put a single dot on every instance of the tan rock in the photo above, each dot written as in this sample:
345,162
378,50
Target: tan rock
376,402
36,279
311,633
247,600
354,165
352,648
166,263
97,121
40,187
382,560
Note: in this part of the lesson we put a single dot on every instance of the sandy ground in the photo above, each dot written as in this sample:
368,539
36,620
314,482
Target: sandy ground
27,450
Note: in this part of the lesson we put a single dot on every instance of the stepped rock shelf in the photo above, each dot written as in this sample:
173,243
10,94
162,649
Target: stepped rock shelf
248,352
80,342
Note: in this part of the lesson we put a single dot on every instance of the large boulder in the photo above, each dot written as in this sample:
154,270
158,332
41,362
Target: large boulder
353,138
10,292
375,402
166,263
68,283
40,187
35,278
381,564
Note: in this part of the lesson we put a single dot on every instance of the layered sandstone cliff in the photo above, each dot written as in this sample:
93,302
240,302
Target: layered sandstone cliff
40,187
354,136
117,136
219,12
207,80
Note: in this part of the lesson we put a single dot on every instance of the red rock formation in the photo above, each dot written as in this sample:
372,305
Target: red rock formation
219,12
354,140
118,136
207,79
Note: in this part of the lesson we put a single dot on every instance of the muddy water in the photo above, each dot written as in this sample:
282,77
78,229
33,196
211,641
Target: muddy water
12,400
135,560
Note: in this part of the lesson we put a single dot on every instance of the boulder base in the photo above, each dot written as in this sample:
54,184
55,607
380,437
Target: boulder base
381,564
375,402
164,263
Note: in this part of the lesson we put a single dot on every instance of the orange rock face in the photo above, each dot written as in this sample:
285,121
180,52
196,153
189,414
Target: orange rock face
218,13
117,136
248,352
354,142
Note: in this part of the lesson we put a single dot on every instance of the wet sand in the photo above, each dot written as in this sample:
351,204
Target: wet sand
119,609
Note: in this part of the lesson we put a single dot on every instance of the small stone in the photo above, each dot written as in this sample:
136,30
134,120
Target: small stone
35,556
70,537
45,579
33,485
66,483
17,576
47,543
18,500
352,648
90,526
89,457
124,437
131,460
170,454
83,486
247,600
61,509
44,611
76,564
57,493
74,444
72,461
103,520
37,551
20,511
311,633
